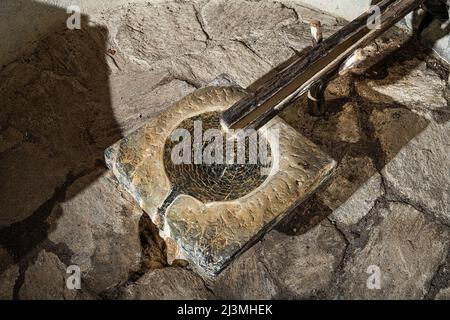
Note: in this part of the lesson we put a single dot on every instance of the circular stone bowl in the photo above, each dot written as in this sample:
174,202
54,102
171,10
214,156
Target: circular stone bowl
206,231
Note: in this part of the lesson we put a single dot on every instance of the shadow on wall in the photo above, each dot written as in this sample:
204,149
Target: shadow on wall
55,121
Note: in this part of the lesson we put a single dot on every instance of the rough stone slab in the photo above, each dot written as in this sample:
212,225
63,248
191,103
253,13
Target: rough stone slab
242,38
46,280
9,138
53,105
56,100
105,242
132,107
395,127
285,267
360,203
406,246
243,19
241,63
30,172
304,266
209,234
444,294
169,75
246,278
7,281
167,284
5,259
270,29
411,84
345,124
265,29
307,13
420,171
345,182
339,87
152,32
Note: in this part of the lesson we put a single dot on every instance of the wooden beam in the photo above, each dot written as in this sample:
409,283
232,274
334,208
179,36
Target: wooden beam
270,94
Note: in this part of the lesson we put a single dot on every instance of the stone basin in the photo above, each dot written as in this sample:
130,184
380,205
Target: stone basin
208,215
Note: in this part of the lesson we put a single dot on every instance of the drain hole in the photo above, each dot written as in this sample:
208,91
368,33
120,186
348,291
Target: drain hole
221,180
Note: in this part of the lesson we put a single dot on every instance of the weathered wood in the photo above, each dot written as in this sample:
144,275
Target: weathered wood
275,90
316,92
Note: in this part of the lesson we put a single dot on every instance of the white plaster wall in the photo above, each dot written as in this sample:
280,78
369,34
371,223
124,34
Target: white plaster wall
347,9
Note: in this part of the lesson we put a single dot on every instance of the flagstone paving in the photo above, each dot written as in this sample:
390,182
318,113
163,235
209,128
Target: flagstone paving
386,124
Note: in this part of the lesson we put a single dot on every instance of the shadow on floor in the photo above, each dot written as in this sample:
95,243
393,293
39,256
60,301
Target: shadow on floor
55,121
359,160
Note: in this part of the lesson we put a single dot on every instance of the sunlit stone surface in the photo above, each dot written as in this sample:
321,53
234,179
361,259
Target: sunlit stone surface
209,233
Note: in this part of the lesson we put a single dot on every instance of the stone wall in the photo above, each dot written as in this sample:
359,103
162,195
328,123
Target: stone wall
33,19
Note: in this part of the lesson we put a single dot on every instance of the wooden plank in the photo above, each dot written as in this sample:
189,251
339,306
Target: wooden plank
270,94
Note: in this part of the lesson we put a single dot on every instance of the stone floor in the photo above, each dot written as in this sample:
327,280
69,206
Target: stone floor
387,124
